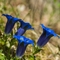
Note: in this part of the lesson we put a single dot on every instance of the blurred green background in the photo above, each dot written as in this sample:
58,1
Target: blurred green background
35,12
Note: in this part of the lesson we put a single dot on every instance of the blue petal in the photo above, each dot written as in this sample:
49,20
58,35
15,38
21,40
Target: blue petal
46,35
28,26
25,25
24,39
29,41
20,39
20,49
49,31
20,32
9,17
9,27
10,22
43,39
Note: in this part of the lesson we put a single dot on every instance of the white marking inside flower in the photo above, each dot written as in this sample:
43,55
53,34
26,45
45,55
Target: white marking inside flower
22,38
27,41
49,30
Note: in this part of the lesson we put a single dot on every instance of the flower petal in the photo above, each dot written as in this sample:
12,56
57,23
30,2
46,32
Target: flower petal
9,17
45,41
41,39
10,22
50,31
9,26
44,38
28,26
20,49
24,39
20,32
46,35
25,25
29,41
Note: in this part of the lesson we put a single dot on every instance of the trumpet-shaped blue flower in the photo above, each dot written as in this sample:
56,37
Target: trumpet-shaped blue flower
10,22
46,35
24,26
22,44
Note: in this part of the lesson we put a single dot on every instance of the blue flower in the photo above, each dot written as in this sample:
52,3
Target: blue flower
46,35
22,44
10,22
22,29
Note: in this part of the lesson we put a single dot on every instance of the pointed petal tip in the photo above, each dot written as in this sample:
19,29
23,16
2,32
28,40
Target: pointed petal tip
4,14
42,25
58,36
